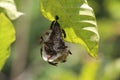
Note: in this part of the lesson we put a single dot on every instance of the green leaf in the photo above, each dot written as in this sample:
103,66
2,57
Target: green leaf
10,9
89,71
7,37
77,18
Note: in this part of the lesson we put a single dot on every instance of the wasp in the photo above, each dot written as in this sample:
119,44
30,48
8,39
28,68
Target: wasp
54,49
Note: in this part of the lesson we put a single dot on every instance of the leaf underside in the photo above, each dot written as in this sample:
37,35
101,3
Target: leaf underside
7,37
77,18
10,9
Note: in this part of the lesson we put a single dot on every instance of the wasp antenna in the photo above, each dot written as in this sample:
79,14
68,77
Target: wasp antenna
56,17
69,52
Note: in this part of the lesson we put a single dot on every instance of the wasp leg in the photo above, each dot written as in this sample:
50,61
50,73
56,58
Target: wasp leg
41,52
63,31
64,61
41,39
69,52
54,64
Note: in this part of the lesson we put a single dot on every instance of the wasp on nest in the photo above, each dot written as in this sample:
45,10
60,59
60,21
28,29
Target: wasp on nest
54,49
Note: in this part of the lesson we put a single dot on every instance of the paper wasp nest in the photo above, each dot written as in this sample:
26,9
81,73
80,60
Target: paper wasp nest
54,49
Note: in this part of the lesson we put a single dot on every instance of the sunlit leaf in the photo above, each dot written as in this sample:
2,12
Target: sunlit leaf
7,36
10,9
77,18
89,71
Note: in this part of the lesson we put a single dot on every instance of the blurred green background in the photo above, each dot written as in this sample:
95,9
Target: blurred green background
25,62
